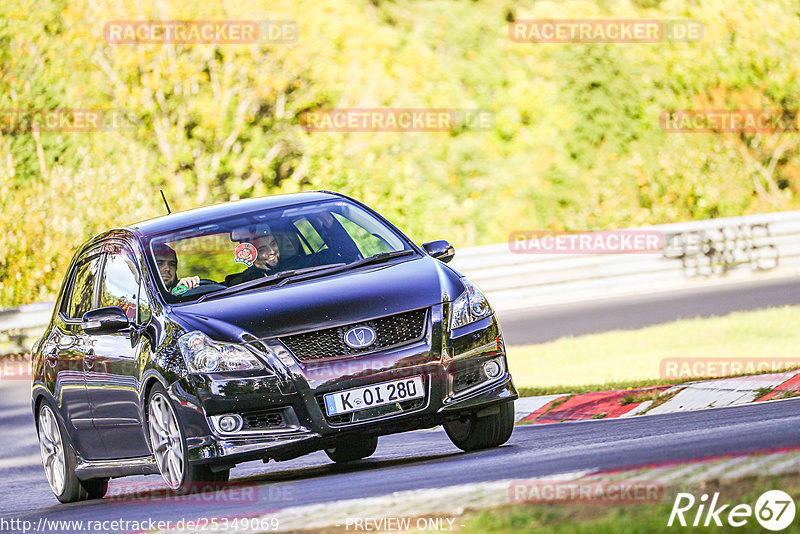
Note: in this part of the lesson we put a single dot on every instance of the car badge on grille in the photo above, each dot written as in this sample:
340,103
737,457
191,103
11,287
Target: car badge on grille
360,337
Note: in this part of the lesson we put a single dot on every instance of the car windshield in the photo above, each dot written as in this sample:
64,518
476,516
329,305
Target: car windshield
269,244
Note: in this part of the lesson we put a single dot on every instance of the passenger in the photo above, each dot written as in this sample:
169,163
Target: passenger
267,262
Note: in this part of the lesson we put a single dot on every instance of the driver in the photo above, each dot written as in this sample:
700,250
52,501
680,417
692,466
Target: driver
167,262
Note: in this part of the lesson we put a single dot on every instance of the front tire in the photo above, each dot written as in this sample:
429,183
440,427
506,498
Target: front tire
60,461
482,432
352,451
168,443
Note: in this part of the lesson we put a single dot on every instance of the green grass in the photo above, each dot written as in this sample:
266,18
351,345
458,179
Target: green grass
575,518
577,389
640,397
760,392
623,359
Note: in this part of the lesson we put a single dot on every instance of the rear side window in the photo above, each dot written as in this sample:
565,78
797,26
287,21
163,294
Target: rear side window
81,297
119,285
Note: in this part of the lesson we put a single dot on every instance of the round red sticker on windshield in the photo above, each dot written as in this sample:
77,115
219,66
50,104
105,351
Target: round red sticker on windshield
245,253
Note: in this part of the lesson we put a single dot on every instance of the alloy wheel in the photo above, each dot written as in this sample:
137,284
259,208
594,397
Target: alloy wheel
52,449
165,437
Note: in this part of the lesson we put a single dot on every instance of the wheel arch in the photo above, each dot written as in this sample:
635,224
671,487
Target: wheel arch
39,395
148,382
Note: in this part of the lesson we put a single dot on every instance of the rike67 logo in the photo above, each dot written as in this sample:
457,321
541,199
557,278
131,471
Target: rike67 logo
774,510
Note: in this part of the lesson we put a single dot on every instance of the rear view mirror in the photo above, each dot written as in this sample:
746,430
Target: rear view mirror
105,320
441,250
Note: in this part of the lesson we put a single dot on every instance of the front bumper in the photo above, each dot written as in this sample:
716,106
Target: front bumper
450,365
229,451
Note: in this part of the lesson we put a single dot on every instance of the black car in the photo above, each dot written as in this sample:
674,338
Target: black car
298,323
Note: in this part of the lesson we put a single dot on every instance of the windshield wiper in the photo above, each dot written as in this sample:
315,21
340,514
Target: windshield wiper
377,258
265,280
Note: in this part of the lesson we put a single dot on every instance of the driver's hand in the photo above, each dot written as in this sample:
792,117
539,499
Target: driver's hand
190,282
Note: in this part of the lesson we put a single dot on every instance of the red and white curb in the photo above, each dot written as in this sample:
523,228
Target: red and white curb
682,397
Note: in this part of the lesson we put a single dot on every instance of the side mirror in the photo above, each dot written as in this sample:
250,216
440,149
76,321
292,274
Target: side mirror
105,320
441,250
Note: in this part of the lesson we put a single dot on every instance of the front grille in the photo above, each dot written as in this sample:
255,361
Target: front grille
329,343
463,380
267,419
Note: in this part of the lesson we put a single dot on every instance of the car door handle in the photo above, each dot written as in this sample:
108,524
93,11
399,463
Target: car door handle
88,359
52,357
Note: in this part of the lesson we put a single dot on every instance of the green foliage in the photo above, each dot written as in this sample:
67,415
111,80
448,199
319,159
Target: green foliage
576,142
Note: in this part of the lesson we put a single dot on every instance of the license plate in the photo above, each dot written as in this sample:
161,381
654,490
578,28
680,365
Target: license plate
381,394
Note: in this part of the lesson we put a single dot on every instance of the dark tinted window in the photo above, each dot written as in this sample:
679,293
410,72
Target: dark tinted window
82,297
119,285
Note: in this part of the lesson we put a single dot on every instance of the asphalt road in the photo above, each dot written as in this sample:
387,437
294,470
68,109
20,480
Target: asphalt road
404,462
422,460
627,313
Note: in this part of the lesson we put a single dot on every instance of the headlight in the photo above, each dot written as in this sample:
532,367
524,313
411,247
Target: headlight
204,355
471,306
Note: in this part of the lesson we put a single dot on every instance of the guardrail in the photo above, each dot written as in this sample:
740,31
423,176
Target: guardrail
696,250
19,327
693,251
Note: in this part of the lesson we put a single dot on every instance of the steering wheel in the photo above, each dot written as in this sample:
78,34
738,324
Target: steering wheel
205,284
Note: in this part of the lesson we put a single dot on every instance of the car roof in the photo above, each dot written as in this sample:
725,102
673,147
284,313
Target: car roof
240,207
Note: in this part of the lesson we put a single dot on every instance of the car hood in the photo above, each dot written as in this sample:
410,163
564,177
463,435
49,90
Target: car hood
348,297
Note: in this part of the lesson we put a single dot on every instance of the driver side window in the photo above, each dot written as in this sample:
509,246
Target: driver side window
119,285
81,298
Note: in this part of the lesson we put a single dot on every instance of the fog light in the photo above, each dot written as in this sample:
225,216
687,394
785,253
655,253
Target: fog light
230,423
492,369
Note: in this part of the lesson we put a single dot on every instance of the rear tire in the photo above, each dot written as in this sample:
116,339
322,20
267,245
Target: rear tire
482,432
96,488
168,443
60,460
352,451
